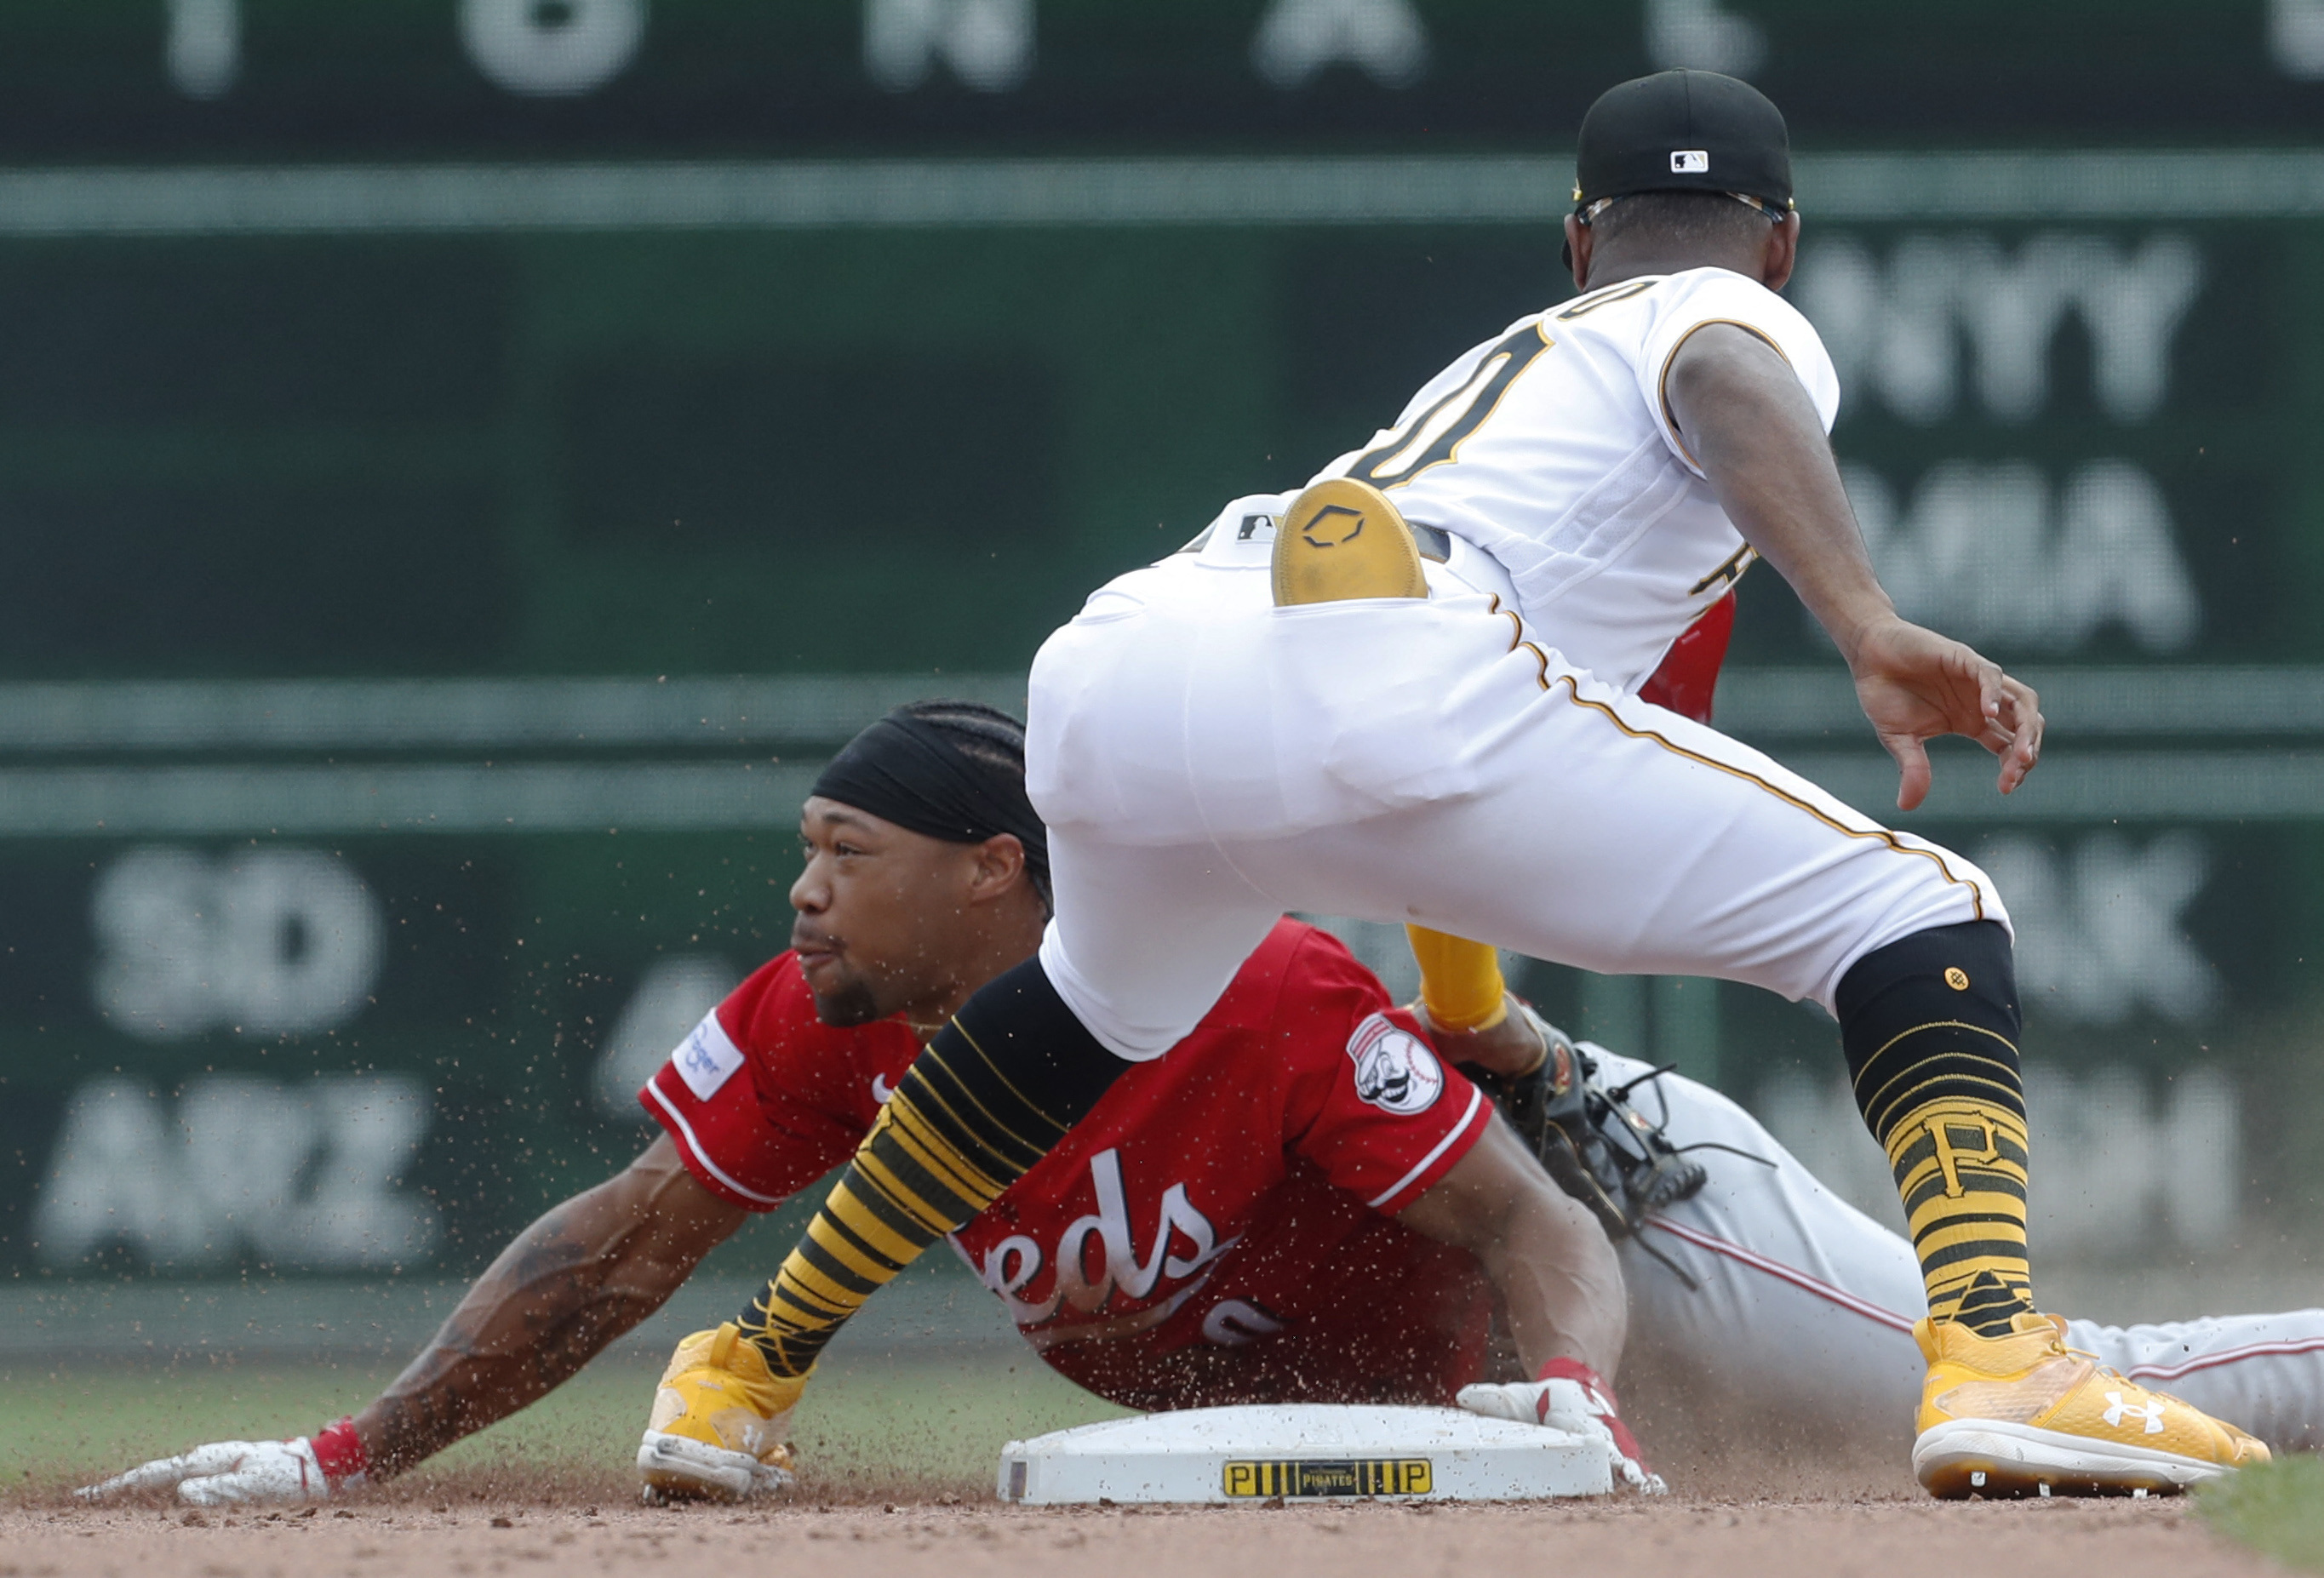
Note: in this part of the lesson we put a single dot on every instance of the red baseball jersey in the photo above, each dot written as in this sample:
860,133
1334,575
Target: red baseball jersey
1219,1228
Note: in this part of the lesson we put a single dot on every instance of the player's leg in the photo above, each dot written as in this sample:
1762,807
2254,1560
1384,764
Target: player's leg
1325,554
1691,854
998,1087
1793,1302
1786,1301
1426,760
1698,857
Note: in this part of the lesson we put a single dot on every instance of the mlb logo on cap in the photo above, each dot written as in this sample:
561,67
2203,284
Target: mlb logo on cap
1683,131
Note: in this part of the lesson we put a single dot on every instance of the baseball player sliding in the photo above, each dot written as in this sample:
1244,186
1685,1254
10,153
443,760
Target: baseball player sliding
1304,1202
1310,713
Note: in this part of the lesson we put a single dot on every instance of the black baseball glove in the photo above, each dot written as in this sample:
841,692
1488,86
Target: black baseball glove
1600,1149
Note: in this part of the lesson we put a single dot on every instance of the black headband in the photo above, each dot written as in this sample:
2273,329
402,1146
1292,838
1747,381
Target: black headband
917,774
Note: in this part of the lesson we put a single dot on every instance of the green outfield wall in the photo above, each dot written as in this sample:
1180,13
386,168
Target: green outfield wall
431,572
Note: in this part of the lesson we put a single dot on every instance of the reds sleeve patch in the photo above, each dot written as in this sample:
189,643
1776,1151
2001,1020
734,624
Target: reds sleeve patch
707,1058
1395,1071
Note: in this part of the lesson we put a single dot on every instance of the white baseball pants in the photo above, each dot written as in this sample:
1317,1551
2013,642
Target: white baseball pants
1804,1306
1206,762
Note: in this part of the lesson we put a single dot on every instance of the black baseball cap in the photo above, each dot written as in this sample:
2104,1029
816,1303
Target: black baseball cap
1683,132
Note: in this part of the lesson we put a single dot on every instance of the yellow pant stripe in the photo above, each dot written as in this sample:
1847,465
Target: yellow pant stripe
1876,833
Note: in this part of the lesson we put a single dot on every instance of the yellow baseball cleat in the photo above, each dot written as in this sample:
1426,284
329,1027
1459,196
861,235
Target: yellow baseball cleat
2022,1415
1342,538
718,1423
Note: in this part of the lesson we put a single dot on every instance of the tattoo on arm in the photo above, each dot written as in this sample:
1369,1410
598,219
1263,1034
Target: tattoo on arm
587,1272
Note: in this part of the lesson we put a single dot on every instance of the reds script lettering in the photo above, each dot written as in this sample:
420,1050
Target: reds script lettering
1015,1263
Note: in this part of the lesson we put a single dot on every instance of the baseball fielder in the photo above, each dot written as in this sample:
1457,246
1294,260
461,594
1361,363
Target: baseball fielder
1304,1202
1310,713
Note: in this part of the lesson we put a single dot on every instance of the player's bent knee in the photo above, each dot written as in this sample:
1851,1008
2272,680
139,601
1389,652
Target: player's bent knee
1963,976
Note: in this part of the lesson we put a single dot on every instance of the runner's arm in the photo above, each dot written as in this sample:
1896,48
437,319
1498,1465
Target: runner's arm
588,1271
1544,1251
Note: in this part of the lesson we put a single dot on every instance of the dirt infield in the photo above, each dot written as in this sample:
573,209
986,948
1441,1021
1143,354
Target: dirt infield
471,1526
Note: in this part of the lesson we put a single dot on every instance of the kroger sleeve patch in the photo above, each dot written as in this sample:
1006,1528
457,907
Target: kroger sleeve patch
707,1058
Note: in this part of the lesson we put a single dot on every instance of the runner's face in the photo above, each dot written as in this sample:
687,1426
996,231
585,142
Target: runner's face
882,911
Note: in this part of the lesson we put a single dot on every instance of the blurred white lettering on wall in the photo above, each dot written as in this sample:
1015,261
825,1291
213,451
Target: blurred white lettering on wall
1384,39
552,48
2100,932
2295,38
203,48
1700,35
1900,331
264,943
987,44
2112,1163
301,1175
1990,553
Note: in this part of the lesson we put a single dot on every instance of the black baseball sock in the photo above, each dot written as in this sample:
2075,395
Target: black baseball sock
1931,1024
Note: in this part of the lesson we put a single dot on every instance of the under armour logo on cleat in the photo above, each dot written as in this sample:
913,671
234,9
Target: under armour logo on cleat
1327,520
2117,1411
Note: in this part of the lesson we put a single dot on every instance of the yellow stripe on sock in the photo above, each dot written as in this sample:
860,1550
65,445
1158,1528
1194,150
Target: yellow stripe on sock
798,1271
920,1141
788,1312
1962,1143
936,1150
827,1234
867,1224
991,1119
878,1174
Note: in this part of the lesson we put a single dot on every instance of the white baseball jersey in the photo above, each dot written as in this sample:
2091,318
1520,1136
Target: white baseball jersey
1551,446
1207,760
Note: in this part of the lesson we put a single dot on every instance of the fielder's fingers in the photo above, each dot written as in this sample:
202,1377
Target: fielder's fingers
1992,690
2025,715
2029,723
1911,769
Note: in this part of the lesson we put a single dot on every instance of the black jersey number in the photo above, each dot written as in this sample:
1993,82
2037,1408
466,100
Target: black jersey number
1436,435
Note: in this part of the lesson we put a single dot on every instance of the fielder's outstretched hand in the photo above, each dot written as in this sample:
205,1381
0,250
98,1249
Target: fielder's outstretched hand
1915,685
1570,1396
306,1468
